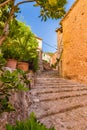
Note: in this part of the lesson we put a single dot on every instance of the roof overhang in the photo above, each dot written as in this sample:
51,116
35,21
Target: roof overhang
38,38
58,29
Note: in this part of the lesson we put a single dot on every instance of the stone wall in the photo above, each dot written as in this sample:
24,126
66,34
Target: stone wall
54,58
21,102
60,49
74,58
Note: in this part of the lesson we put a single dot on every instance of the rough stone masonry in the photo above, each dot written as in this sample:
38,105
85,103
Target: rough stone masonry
74,37
21,102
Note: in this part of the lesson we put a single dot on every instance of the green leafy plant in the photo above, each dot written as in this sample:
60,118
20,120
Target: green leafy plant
29,124
20,44
10,50
11,81
2,60
33,64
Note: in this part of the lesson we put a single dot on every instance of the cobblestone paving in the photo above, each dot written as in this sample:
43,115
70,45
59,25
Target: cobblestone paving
59,102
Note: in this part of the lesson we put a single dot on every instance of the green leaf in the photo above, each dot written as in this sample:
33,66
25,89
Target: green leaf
30,124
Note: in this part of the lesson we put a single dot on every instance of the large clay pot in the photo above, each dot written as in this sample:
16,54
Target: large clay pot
11,63
23,66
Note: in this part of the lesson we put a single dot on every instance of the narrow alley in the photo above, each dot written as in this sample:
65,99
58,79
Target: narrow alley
59,102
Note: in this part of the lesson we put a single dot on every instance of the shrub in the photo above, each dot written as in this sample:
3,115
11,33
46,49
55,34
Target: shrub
11,81
2,60
29,124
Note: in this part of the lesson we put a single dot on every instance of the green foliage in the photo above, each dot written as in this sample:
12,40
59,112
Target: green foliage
5,106
11,81
7,13
33,64
2,60
29,124
20,44
4,13
10,50
51,8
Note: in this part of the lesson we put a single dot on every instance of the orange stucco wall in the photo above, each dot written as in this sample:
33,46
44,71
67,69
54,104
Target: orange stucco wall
74,58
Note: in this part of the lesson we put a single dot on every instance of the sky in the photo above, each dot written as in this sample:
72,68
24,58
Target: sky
44,30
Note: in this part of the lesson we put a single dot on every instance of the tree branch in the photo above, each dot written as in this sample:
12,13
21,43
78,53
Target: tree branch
4,3
5,31
26,1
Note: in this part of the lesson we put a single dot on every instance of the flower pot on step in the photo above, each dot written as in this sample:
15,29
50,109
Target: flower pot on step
23,66
11,63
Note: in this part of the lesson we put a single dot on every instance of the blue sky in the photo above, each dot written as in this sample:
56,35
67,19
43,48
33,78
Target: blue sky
44,30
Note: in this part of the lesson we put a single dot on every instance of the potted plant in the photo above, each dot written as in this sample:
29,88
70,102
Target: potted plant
28,52
19,54
24,57
20,45
11,53
23,65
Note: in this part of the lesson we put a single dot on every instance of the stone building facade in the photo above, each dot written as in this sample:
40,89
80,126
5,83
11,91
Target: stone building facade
46,57
54,62
60,48
40,64
54,58
74,37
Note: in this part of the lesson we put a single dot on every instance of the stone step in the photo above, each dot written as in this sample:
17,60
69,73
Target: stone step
58,86
50,79
70,120
59,102
59,106
58,82
54,82
62,95
42,81
65,104
56,90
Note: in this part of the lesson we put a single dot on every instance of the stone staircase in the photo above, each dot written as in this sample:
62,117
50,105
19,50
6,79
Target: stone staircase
59,102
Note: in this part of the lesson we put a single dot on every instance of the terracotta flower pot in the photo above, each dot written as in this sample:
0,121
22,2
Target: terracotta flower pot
23,66
11,63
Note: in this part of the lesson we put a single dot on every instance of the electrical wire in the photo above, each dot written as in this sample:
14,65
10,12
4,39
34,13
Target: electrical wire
50,45
50,49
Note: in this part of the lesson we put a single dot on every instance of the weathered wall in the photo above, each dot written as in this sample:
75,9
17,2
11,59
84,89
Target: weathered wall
46,57
74,57
60,49
40,65
21,102
60,40
54,57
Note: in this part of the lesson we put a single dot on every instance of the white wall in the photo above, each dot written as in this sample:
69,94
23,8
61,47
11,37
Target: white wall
46,57
39,44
